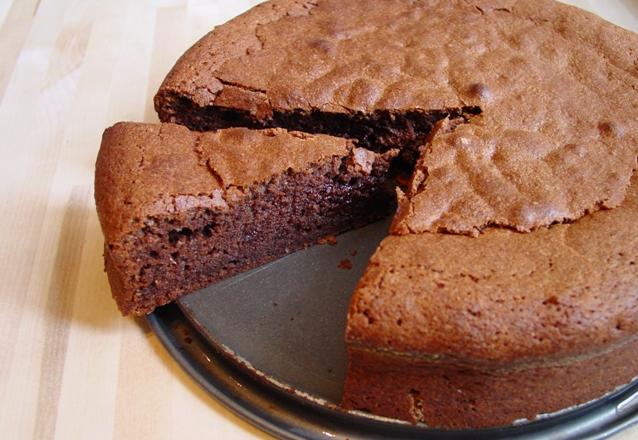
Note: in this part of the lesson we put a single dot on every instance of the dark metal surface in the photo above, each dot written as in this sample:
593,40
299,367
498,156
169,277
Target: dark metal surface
287,318
269,344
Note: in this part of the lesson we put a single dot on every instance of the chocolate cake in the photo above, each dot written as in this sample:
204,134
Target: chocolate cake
180,210
508,286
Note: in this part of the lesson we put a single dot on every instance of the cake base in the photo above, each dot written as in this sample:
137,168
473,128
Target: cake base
452,396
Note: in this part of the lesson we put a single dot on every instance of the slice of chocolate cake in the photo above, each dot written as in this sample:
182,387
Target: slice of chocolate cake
180,210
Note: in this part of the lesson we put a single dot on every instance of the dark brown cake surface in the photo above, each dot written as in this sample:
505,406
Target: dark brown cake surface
180,210
554,139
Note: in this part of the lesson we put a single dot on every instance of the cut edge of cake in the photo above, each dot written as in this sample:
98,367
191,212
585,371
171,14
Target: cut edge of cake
180,210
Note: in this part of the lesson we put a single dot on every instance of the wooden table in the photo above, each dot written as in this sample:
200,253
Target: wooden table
71,367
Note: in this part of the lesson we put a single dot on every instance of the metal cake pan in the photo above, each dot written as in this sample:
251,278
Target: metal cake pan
269,344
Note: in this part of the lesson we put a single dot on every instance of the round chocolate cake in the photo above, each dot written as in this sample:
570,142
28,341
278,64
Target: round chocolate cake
508,284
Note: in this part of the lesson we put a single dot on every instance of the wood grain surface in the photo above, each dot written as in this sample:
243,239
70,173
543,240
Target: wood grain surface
70,366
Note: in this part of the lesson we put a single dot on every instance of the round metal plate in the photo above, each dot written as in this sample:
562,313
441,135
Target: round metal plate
269,344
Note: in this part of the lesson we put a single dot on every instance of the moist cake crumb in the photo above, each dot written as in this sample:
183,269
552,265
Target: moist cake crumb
328,239
345,264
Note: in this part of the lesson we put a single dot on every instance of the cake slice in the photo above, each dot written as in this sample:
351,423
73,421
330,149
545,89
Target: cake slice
180,210
458,332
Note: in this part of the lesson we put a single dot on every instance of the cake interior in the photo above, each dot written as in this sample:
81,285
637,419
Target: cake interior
174,255
379,130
